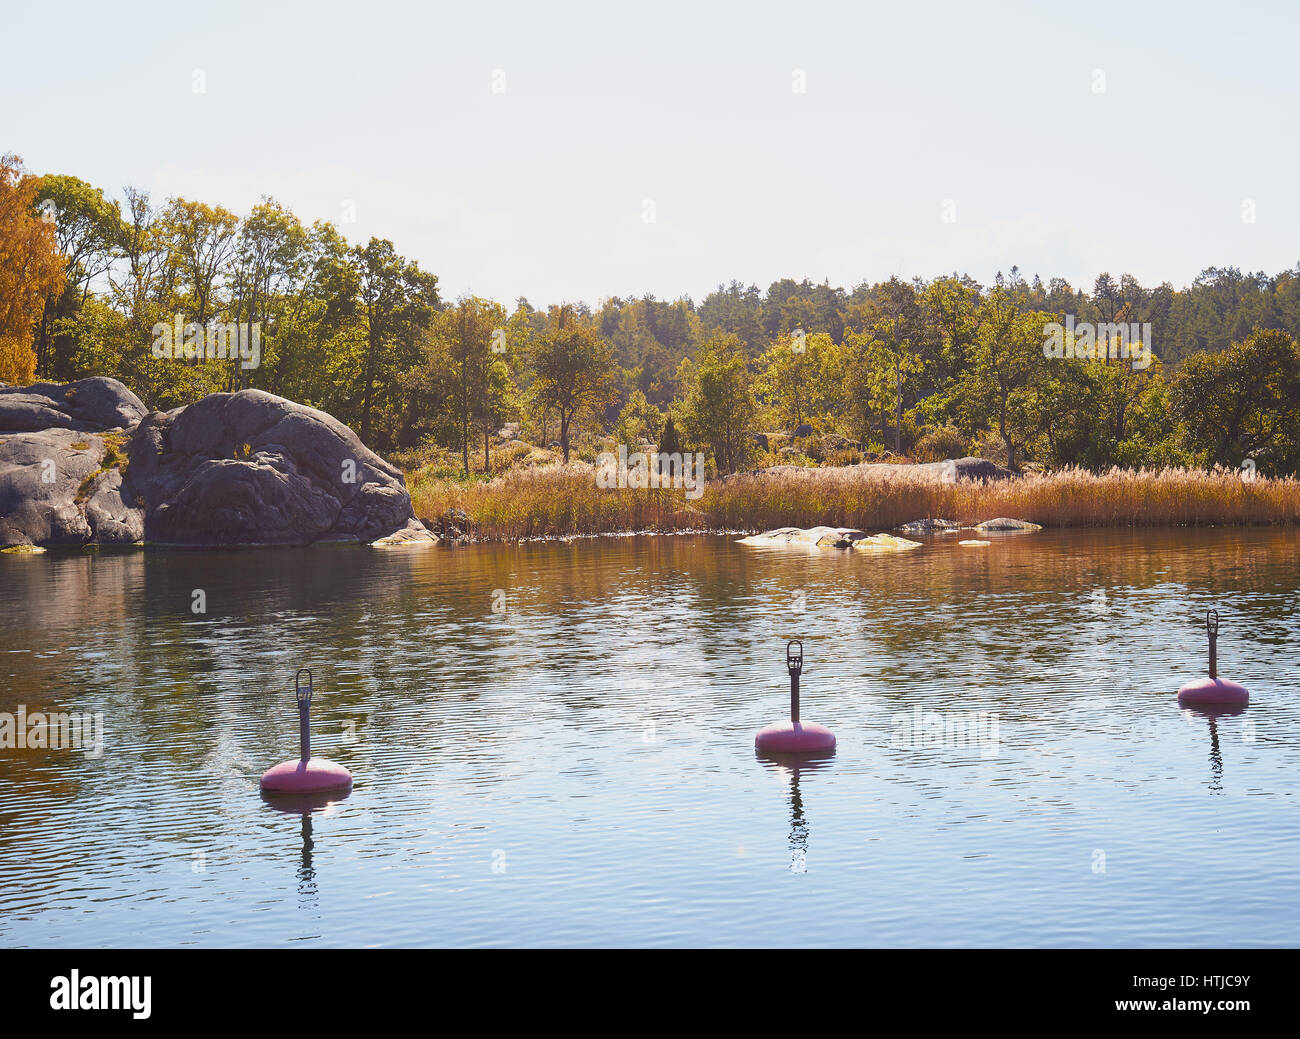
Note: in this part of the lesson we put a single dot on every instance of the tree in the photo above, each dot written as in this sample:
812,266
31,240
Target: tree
801,377
496,397
1243,402
1006,355
719,406
271,259
886,342
87,228
474,381
738,309
31,269
200,240
397,300
639,420
573,372
670,443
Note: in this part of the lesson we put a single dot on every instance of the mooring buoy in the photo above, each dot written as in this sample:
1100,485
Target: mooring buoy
794,736
1213,690
307,774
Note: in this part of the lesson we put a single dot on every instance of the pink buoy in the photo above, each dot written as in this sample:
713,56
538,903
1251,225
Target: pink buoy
794,736
306,775
1213,691
1218,691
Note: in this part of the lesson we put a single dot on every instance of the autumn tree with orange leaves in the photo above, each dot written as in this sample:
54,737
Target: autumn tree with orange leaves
31,269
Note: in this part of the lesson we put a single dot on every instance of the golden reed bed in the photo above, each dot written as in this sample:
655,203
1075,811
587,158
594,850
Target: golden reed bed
557,501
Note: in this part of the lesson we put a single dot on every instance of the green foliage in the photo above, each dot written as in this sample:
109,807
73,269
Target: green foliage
719,407
573,373
1243,403
800,378
916,367
639,420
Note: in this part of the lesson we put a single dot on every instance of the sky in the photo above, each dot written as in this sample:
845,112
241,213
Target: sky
574,151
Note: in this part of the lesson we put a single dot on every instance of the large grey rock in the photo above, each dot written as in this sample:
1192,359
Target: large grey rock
232,469
46,487
115,517
89,405
252,468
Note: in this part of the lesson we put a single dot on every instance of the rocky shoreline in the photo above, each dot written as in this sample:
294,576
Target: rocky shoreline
88,464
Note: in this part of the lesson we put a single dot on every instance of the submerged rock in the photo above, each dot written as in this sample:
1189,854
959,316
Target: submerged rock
883,543
829,537
975,544
414,533
929,526
811,537
1002,523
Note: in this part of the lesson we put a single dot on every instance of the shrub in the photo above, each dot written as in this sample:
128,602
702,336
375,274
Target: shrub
940,444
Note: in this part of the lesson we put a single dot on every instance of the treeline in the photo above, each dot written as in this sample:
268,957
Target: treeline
925,368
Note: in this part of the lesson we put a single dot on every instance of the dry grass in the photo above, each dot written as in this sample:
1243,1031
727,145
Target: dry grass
557,500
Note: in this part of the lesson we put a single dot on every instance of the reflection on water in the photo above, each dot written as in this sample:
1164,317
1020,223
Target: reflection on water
791,767
1211,716
305,806
579,769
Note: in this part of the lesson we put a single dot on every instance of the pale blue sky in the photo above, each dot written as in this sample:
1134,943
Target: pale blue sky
541,190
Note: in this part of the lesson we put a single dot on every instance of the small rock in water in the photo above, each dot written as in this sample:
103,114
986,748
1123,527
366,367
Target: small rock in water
975,544
813,537
830,537
884,543
1002,523
414,533
928,526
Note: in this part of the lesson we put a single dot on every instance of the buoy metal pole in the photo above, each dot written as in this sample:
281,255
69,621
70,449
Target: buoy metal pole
1212,627
794,664
794,736
306,775
303,697
1213,691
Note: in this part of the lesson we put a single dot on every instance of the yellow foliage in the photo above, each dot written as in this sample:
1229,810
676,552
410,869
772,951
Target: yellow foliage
17,361
31,269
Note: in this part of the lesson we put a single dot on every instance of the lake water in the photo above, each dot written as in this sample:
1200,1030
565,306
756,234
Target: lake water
553,745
